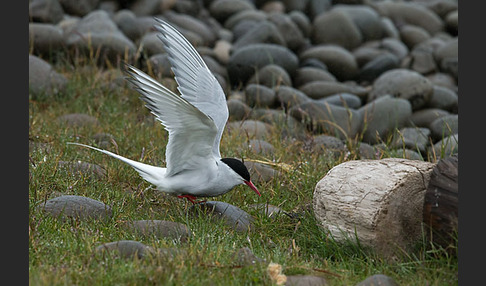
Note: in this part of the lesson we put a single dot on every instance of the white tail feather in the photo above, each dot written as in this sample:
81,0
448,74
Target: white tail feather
152,174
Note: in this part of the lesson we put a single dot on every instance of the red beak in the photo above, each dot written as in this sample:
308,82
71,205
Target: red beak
250,184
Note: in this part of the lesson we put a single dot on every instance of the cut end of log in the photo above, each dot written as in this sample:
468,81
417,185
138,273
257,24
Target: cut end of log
379,202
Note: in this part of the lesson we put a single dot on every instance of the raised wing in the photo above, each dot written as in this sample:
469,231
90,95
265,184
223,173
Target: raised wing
191,132
196,83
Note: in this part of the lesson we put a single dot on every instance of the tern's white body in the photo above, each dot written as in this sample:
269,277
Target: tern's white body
195,122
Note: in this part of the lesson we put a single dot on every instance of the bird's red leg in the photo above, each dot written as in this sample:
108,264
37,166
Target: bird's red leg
191,198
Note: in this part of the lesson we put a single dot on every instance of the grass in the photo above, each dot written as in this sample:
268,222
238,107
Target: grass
62,252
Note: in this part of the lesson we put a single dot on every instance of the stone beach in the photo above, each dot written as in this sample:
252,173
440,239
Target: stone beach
323,64
380,75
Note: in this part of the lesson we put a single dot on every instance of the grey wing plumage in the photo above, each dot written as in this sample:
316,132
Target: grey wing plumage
191,132
196,83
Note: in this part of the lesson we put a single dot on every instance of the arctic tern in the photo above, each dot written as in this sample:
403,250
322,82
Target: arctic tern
195,121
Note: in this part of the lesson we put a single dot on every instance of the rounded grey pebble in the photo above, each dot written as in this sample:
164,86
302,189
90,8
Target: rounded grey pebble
445,147
257,32
347,100
326,144
339,61
78,207
271,75
412,35
244,257
382,116
410,13
444,126
305,280
261,147
125,249
403,83
43,79
293,36
288,97
378,279
259,95
151,44
126,21
45,39
221,10
237,109
309,74
444,98
103,34
424,117
46,11
253,129
407,154
233,216
412,138
323,89
245,61
104,140
268,209
337,28
380,64
322,117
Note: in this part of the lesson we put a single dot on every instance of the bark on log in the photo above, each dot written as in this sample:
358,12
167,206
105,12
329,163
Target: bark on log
380,202
441,203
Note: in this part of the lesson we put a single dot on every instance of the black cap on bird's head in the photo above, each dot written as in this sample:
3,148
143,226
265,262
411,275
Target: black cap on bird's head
241,170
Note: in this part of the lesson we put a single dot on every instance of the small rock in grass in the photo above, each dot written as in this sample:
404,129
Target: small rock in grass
125,249
378,279
407,154
160,228
412,138
77,207
424,117
445,147
382,116
261,147
444,126
268,210
233,216
253,129
43,79
259,95
326,144
244,257
260,172
104,140
83,169
78,120
238,110
305,280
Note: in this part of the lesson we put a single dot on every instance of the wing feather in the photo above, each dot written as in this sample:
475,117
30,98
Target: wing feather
191,132
196,83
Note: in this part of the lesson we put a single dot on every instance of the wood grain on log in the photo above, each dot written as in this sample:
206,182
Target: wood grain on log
441,203
379,202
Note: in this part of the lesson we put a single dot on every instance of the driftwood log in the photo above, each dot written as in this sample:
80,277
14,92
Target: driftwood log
441,203
378,202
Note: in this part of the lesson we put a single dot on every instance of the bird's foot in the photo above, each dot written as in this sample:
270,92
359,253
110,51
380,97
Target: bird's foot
191,198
